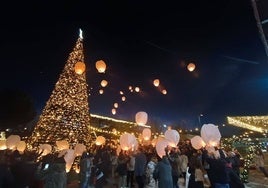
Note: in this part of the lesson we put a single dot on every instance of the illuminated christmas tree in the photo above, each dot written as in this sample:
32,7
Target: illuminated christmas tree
66,114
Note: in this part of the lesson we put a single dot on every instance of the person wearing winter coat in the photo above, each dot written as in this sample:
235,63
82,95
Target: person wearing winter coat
150,181
53,175
163,173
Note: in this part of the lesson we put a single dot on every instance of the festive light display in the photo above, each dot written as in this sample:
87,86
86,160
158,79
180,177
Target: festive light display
254,123
191,67
66,114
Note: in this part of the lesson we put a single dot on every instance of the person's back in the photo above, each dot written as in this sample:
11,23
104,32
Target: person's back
163,173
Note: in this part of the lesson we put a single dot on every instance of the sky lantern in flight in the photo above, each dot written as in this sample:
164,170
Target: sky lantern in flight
141,118
137,89
164,92
156,82
191,67
104,83
101,66
123,98
113,111
121,93
101,91
79,67
146,134
116,105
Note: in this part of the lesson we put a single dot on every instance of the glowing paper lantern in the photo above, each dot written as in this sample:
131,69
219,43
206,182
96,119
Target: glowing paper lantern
121,93
45,149
210,134
160,147
116,105
79,67
101,66
104,83
146,134
21,146
100,140
113,111
156,82
191,67
153,142
127,141
197,142
137,89
130,87
12,141
69,159
141,118
3,145
164,91
79,149
101,91
62,145
173,136
123,98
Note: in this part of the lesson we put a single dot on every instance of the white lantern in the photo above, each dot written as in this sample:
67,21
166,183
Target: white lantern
100,140
164,92
161,146
191,67
101,66
62,145
12,141
69,159
141,118
173,136
127,141
79,149
210,134
116,105
121,92
113,111
3,145
21,146
146,134
101,91
197,142
156,82
137,89
123,98
104,83
45,149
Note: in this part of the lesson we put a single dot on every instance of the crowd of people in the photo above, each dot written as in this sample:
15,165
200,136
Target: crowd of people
142,168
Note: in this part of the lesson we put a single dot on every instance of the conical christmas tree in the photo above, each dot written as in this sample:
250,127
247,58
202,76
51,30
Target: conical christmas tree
66,114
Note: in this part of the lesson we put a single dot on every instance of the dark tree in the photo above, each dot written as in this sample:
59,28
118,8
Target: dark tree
16,109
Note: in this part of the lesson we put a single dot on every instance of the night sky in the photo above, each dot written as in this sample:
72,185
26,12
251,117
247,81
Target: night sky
141,41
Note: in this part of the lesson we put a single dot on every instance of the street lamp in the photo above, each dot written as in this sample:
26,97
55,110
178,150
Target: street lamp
199,118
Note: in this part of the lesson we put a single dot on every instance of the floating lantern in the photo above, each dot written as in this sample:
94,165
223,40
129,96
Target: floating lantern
79,67
210,134
69,159
127,141
137,89
123,98
104,83
100,140
45,149
191,67
164,92
21,146
146,134
116,105
79,149
173,136
130,87
62,145
113,111
160,147
101,66
3,145
156,82
12,141
197,142
121,93
101,91
141,118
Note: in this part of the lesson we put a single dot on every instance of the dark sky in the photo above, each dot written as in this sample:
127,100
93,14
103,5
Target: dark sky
141,41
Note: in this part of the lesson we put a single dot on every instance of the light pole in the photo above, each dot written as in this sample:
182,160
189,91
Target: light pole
199,119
